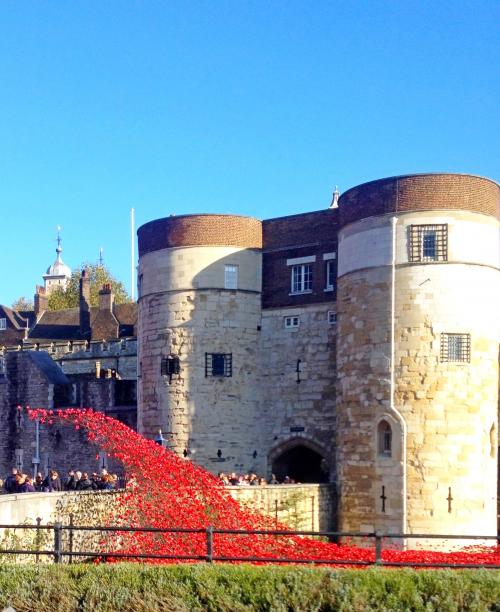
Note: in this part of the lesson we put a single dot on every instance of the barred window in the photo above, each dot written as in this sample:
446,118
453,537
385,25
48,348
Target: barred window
3,323
302,278
455,348
218,364
428,243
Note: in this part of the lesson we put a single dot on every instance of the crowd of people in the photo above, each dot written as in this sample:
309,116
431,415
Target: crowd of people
76,480
251,480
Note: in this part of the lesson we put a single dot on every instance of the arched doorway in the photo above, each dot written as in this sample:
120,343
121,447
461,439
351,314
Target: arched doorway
299,461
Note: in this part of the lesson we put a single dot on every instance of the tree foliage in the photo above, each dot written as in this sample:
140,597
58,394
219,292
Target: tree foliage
23,303
99,276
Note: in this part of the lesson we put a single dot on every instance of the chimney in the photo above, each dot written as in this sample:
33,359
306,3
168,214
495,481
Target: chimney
40,301
85,304
106,298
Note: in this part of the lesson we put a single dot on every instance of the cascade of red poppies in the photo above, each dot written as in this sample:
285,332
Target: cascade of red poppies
166,491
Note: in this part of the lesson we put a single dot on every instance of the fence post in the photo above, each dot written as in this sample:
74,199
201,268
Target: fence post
378,548
38,534
57,542
71,536
210,543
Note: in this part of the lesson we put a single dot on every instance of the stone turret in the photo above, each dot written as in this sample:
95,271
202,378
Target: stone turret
199,314
417,355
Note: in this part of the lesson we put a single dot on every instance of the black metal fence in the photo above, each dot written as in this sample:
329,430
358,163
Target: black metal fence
60,553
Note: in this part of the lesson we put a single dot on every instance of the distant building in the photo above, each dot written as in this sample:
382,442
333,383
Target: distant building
76,357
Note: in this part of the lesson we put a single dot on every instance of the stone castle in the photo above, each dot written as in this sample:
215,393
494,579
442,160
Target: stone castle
357,345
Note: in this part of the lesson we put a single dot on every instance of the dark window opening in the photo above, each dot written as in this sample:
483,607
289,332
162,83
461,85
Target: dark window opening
384,439
218,364
170,366
125,393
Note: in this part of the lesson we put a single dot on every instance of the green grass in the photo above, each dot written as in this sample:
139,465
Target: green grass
234,588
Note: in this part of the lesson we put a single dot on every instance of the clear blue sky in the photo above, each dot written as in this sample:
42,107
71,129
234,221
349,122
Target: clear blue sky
256,108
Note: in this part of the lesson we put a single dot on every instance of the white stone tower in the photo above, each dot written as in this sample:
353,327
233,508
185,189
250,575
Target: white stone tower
58,274
417,355
199,317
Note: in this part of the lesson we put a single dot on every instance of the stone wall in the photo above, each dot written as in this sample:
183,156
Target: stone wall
444,416
302,507
185,311
299,412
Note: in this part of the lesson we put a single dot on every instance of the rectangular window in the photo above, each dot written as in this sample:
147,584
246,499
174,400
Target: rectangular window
292,322
218,364
428,243
332,317
231,277
302,278
330,275
455,348
125,393
3,323
2,367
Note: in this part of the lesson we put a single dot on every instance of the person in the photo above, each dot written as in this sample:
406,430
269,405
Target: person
274,480
52,482
38,484
233,479
26,484
84,483
10,484
69,483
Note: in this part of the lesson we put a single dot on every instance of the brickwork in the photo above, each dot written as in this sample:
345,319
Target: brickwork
309,234
200,230
420,192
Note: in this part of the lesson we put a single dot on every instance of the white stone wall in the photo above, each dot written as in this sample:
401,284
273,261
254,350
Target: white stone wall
202,414
472,238
449,409
183,268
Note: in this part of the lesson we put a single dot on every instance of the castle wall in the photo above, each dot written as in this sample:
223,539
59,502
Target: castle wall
444,417
186,311
299,411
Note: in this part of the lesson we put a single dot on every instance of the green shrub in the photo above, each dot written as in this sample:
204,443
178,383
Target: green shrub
235,588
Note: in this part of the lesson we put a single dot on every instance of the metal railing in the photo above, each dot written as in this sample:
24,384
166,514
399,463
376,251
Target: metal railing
58,553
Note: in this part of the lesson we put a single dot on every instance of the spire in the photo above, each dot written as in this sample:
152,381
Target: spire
101,259
58,273
59,247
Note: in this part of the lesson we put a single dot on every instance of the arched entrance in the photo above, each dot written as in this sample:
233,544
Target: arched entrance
301,461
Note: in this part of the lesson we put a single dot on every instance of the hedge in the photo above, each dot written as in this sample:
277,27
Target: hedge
234,588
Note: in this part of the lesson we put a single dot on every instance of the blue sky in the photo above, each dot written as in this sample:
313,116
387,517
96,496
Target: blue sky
257,108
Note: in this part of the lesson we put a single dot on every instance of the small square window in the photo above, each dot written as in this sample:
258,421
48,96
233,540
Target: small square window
455,348
332,317
3,323
292,322
428,243
231,277
218,364
301,278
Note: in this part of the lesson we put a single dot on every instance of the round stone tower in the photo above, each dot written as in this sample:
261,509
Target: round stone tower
417,355
199,311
